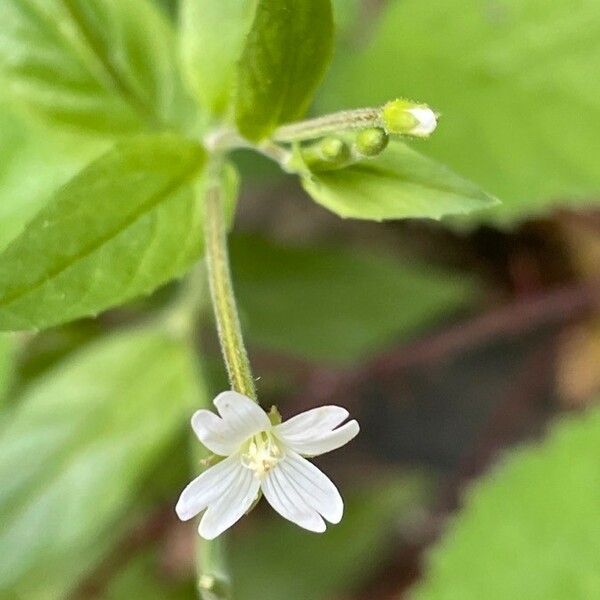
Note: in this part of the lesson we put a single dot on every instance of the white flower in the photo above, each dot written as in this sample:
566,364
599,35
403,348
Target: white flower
262,456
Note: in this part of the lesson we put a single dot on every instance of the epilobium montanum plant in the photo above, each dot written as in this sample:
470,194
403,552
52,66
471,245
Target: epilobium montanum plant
158,110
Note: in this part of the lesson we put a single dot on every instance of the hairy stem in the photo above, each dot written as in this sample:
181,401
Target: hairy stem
213,582
222,140
360,118
223,299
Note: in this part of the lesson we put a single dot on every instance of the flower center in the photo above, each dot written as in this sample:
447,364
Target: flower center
262,454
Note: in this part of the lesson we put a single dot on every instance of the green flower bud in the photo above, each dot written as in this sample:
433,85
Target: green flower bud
333,149
326,154
371,142
407,118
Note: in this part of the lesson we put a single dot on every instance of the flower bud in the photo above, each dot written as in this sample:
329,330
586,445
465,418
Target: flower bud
407,118
326,154
371,142
333,149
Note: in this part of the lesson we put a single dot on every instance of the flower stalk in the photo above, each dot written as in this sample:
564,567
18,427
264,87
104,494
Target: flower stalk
346,120
397,117
222,294
213,582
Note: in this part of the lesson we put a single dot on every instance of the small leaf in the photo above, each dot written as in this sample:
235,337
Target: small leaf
530,529
286,54
125,225
103,66
399,183
213,33
337,305
75,450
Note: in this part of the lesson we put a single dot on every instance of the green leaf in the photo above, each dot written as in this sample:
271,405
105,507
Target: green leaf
328,565
286,54
76,449
337,305
26,149
103,66
399,183
7,365
515,81
212,38
125,225
531,529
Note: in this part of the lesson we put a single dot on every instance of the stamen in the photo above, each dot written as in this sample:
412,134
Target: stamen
262,455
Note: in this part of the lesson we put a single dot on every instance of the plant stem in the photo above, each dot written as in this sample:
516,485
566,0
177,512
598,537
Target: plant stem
345,120
223,299
222,140
213,582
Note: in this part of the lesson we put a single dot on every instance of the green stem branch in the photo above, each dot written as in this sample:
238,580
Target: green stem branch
223,140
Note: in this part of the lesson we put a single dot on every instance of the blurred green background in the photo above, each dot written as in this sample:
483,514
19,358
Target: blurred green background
469,350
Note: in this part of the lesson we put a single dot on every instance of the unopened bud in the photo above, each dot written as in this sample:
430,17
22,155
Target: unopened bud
326,154
407,118
334,149
371,142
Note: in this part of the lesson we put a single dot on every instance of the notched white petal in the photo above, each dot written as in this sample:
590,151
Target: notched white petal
230,506
317,441
241,413
289,504
321,419
240,419
317,490
214,433
207,487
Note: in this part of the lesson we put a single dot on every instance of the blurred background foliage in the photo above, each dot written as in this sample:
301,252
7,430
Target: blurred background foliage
463,348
